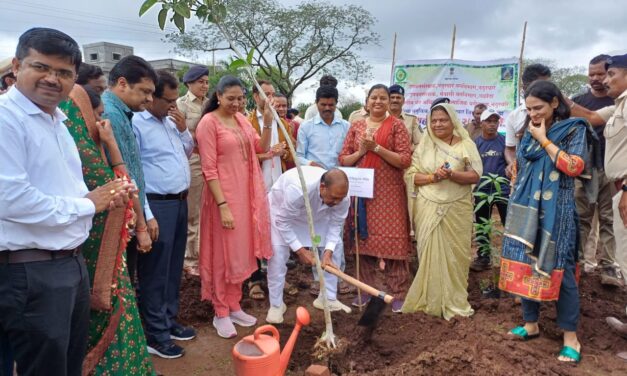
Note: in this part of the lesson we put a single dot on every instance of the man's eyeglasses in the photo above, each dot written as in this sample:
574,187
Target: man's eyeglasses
63,74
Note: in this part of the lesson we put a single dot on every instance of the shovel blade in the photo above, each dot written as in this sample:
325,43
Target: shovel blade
372,313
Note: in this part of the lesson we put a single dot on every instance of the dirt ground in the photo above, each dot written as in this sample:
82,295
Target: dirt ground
418,344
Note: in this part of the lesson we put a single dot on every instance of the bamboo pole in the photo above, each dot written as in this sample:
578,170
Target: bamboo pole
357,253
328,336
520,60
453,41
393,60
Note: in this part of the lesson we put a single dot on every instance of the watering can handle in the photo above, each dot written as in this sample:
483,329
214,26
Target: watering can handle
265,329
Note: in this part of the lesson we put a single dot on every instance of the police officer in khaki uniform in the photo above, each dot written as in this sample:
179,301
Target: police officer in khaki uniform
397,100
615,159
191,104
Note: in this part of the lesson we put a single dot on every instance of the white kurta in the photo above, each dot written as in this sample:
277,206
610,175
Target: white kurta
288,216
270,168
290,230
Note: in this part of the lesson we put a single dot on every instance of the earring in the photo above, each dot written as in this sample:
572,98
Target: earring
218,102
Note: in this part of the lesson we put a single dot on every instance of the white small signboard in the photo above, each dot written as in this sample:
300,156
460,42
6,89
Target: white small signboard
361,181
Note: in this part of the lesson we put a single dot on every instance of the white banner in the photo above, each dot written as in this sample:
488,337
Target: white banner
466,83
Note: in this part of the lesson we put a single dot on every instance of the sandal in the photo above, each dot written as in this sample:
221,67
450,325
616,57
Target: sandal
570,353
315,288
290,289
345,288
255,291
521,333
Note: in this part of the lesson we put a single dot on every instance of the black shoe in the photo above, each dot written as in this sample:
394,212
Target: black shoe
182,333
480,264
610,276
168,350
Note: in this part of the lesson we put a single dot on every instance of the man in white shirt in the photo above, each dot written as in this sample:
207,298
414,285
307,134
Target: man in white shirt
515,121
271,162
328,195
46,211
165,145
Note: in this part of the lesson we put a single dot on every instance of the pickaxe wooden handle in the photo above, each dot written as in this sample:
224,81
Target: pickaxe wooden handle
369,289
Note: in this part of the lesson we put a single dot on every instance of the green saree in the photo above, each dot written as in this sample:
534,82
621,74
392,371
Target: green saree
116,344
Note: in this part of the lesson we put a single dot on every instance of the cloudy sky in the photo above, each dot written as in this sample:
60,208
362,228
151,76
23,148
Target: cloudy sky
567,31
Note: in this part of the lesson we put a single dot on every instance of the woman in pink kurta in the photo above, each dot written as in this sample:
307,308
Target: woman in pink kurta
235,221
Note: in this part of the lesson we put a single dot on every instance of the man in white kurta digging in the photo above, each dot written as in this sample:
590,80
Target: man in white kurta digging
328,195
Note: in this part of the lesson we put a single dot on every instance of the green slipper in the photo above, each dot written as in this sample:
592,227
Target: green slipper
522,333
570,353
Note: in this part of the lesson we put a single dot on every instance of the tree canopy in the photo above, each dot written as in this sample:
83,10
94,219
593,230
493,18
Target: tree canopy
570,80
289,44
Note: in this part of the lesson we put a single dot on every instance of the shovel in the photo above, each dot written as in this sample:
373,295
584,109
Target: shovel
377,302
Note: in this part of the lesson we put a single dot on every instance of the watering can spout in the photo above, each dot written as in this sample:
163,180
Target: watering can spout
302,319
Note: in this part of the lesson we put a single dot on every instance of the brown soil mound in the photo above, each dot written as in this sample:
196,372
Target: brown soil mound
418,344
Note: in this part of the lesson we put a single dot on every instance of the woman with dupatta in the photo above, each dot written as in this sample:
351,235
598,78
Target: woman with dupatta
540,244
381,142
116,344
445,165
235,219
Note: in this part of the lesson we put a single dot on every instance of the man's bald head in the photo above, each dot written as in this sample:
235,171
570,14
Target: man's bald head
333,186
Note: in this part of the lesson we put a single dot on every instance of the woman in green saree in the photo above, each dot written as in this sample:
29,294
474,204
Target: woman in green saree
116,343
445,165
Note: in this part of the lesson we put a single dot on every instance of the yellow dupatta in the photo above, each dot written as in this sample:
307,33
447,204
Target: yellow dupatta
432,153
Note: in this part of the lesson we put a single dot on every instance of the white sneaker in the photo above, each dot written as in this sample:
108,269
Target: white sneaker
334,305
242,318
275,314
225,327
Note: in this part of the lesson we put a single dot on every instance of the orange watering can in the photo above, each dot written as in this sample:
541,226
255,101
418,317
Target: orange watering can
260,354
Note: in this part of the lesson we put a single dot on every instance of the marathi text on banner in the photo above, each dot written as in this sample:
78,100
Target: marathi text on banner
466,83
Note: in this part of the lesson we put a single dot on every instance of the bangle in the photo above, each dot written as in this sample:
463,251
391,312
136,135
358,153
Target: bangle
545,143
267,126
431,178
141,229
376,149
222,203
117,164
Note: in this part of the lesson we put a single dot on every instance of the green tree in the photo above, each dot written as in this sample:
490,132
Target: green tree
570,80
348,108
290,44
302,108
215,12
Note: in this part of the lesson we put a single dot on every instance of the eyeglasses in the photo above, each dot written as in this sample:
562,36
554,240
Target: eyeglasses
63,74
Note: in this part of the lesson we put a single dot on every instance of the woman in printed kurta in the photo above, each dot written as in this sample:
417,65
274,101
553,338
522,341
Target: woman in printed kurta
381,142
540,246
235,221
116,344
444,167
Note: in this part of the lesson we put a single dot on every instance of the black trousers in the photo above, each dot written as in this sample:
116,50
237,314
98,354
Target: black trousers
159,271
6,356
486,212
44,315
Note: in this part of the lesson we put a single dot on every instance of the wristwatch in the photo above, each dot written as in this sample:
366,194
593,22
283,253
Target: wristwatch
624,187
